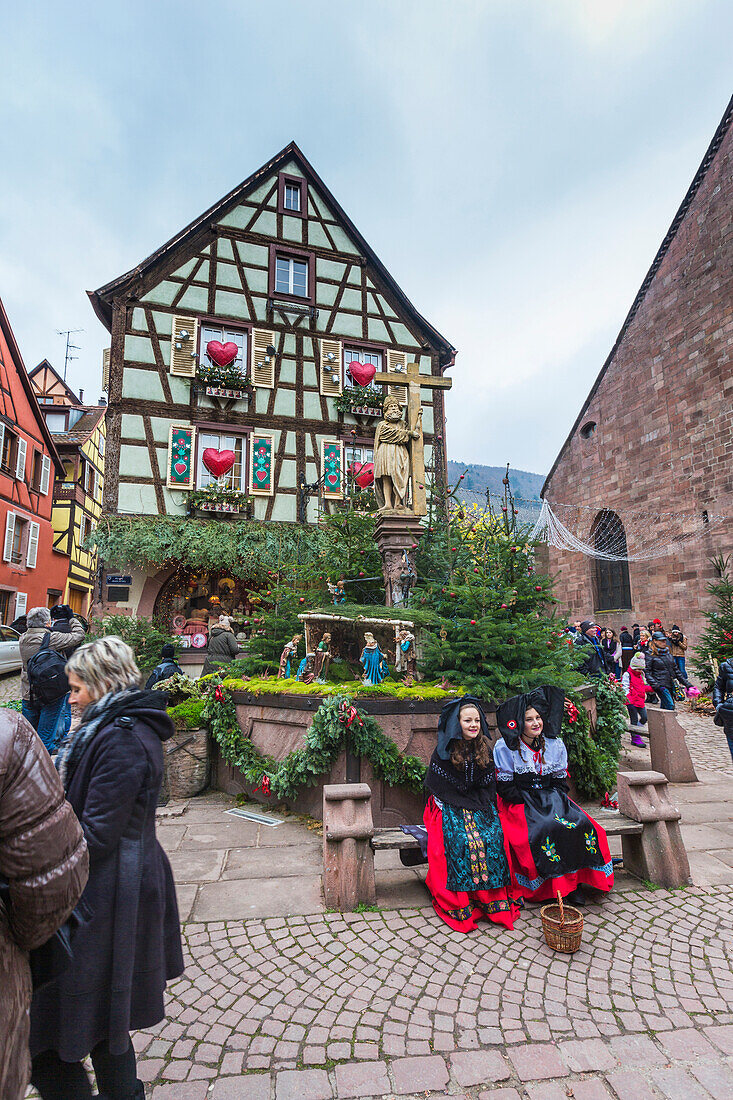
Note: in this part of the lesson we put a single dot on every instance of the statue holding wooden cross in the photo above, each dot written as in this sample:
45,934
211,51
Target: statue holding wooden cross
399,452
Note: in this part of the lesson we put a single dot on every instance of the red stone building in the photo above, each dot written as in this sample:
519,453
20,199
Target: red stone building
31,571
655,435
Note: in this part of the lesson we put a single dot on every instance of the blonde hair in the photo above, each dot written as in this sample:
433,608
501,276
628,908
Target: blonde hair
104,665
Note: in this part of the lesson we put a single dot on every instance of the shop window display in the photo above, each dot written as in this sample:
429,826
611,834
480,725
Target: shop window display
189,605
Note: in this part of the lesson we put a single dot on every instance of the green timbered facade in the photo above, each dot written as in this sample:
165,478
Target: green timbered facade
241,359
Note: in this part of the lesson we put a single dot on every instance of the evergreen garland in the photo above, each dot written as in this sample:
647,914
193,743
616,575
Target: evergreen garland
593,755
336,725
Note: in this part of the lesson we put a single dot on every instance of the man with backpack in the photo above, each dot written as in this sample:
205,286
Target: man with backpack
44,652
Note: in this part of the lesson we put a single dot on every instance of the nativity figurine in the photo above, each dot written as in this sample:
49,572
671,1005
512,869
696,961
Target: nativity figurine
323,658
306,669
376,668
288,655
406,659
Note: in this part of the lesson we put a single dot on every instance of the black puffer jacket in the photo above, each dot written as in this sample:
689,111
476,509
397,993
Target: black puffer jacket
661,671
594,663
723,694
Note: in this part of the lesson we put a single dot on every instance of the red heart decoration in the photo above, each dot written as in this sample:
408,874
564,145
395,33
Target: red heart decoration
365,476
261,475
222,354
361,373
218,462
180,468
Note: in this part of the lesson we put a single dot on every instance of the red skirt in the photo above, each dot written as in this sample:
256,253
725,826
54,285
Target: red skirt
463,910
527,882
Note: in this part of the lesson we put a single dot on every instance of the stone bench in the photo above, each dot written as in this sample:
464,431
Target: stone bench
648,824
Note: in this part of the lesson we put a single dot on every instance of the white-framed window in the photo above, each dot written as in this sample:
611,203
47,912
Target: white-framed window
224,336
56,421
219,441
291,276
91,480
85,529
292,197
357,355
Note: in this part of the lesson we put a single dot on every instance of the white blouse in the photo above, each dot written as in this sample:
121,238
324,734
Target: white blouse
522,761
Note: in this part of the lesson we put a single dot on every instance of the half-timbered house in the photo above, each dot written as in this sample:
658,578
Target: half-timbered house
78,431
32,572
243,352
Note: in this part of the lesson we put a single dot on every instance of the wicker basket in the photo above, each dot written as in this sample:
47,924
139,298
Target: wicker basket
562,925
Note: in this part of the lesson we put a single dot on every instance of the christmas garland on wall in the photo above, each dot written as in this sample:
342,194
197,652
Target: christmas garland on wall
592,754
336,724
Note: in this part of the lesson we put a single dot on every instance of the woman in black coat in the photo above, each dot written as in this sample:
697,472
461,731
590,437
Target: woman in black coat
111,768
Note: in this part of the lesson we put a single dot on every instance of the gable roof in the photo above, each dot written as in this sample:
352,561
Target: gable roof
707,160
102,299
84,427
45,365
27,387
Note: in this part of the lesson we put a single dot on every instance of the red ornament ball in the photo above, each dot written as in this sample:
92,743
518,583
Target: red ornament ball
538,588
302,599
453,549
504,606
473,622
361,572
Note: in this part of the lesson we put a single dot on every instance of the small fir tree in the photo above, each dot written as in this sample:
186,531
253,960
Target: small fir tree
716,640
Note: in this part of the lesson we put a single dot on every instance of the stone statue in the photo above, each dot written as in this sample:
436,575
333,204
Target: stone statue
392,456
323,658
376,668
288,654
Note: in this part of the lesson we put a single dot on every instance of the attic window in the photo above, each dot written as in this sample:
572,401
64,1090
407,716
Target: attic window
291,195
588,429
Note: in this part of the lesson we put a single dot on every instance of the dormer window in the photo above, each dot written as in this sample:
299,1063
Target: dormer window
292,197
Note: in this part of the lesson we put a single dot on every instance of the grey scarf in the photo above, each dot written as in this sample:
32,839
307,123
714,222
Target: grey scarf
97,714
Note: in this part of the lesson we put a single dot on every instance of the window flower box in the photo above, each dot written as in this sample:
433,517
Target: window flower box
222,500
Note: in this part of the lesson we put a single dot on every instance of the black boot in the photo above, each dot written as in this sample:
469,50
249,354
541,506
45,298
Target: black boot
576,897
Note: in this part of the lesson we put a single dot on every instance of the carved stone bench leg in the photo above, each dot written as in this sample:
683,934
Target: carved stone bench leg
658,854
348,859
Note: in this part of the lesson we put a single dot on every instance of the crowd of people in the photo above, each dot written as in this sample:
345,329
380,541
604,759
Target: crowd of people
649,662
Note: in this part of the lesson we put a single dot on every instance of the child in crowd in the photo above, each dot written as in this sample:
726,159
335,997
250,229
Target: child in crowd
468,873
636,690
552,844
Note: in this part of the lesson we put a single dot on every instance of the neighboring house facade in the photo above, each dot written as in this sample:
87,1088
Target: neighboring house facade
32,571
653,443
78,431
248,334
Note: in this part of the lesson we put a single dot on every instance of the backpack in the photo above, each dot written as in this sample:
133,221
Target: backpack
47,675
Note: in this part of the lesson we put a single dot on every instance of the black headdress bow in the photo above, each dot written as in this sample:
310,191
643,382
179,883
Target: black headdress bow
449,726
549,702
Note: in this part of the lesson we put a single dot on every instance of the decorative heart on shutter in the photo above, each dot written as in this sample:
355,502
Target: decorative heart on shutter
365,475
261,475
222,354
361,373
180,468
218,463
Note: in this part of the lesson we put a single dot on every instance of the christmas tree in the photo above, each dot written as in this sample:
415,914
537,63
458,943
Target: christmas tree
489,616
716,640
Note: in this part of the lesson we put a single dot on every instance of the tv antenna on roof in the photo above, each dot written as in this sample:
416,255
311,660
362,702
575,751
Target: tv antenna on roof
68,333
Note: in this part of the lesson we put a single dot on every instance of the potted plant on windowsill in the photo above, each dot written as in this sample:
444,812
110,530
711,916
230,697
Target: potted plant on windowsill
219,498
360,401
223,381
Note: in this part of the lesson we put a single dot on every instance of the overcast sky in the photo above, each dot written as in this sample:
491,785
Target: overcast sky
515,164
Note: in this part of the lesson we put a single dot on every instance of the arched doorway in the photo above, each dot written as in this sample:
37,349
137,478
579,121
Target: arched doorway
190,602
613,588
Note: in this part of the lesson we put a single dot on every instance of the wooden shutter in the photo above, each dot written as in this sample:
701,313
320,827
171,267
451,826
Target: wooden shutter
20,462
21,603
32,552
45,474
332,468
183,346
331,369
2,439
106,352
9,532
397,361
180,469
263,365
261,456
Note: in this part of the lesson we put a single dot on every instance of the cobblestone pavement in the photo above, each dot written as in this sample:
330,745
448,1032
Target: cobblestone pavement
706,742
9,687
395,1004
